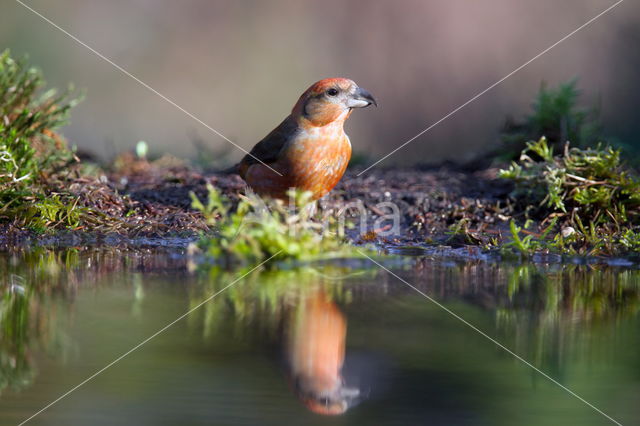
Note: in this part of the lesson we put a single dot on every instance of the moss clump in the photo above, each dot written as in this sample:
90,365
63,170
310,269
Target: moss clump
31,153
29,147
589,193
256,231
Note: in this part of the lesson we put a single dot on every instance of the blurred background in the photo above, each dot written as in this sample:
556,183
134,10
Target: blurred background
241,65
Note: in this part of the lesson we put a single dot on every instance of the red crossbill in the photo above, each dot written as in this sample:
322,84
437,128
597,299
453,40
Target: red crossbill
309,149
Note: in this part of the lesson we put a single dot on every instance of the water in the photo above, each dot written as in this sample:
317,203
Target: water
320,345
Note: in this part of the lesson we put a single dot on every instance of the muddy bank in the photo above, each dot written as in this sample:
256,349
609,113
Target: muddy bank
431,202
148,204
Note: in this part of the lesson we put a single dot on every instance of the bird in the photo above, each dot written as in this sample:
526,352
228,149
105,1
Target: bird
309,150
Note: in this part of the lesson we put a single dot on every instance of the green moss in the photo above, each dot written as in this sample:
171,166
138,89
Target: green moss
589,193
31,153
28,145
256,231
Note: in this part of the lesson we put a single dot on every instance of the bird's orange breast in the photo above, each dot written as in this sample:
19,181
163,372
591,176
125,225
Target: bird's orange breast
314,161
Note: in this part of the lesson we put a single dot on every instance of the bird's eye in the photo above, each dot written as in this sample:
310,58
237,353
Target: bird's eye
332,92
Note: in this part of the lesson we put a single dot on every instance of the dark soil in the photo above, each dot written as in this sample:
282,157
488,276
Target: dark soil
433,202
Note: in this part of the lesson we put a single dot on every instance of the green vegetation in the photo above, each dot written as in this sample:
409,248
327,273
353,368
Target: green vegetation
256,231
528,244
32,155
557,115
588,193
28,144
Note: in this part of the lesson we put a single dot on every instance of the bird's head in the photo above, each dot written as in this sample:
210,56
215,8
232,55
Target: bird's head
326,397
331,100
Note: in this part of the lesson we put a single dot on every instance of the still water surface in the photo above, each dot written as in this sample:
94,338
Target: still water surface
319,345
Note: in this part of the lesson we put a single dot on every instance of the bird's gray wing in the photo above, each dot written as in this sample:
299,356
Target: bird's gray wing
268,149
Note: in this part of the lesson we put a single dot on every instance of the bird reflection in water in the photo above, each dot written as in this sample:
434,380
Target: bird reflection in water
316,348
